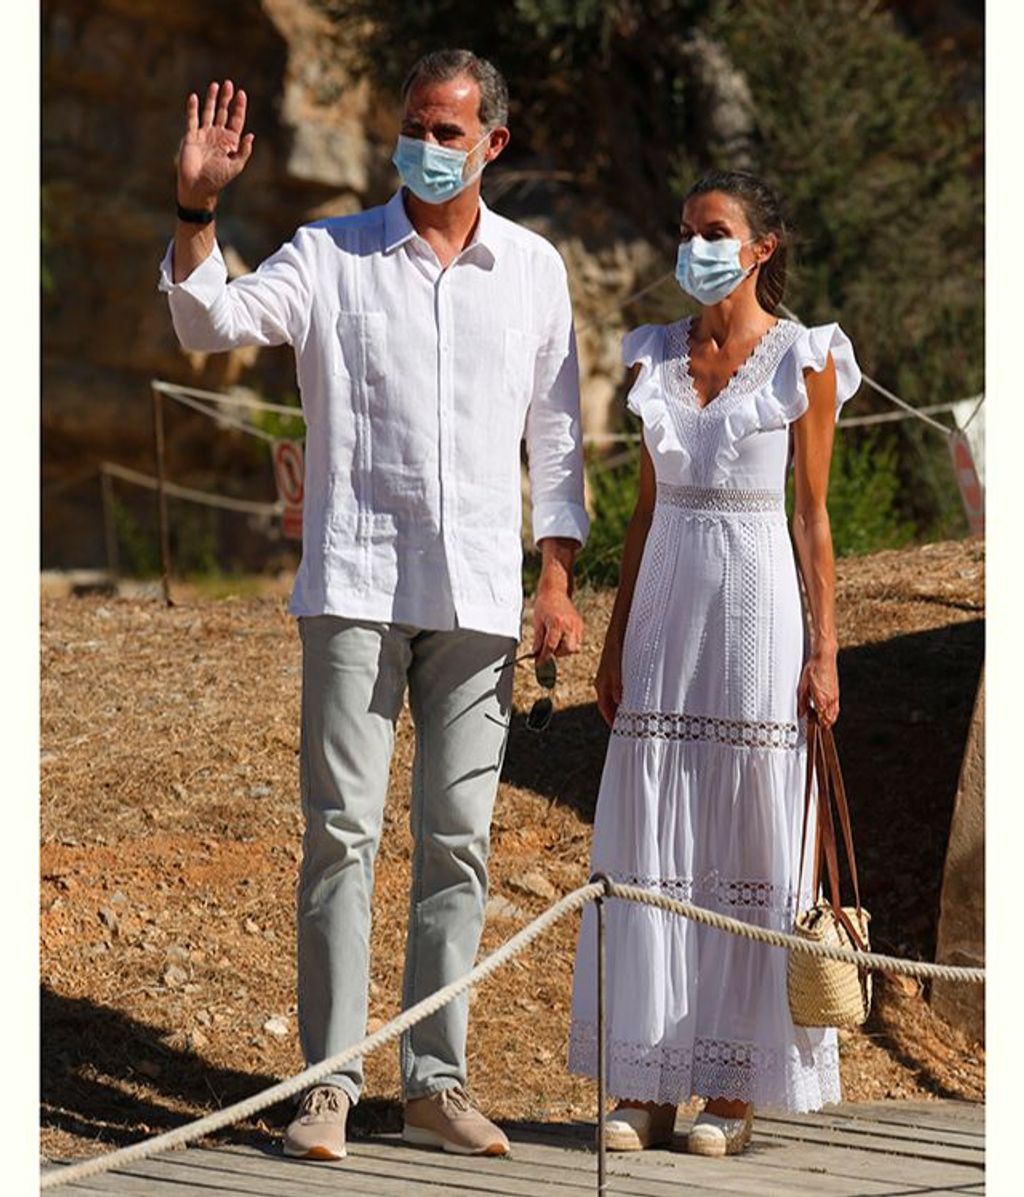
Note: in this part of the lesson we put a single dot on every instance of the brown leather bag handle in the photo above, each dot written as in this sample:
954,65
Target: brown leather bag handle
823,760
812,742
839,791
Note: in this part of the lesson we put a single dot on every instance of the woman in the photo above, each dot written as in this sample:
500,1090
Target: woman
706,672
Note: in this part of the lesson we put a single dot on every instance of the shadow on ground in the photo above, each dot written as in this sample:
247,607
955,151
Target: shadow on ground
93,1088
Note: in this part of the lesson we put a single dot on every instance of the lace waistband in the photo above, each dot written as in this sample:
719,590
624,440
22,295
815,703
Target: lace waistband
722,499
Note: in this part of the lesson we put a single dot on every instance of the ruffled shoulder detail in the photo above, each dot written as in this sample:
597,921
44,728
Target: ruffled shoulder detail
646,346
643,346
810,351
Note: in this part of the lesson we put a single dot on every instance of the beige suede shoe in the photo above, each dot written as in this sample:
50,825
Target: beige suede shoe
450,1121
317,1132
634,1128
712,1135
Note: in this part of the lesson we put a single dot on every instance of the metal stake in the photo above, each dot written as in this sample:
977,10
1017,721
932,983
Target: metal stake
109,527
165,544
602,1055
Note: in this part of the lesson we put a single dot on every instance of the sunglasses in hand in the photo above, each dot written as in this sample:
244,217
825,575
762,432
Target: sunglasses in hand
547,675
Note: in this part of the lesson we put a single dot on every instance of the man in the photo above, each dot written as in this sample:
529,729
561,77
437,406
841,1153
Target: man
429,333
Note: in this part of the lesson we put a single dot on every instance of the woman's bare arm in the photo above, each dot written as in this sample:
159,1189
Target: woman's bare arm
813,435
608,682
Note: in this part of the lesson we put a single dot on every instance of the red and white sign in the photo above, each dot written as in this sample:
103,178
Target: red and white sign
971,491
289,471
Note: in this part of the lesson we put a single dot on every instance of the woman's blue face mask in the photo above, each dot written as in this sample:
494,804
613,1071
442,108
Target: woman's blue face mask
711,270
432,172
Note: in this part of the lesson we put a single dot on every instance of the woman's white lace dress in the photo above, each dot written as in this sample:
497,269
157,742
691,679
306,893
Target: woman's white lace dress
702,792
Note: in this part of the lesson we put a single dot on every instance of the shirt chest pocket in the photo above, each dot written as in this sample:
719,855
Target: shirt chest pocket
519,363
362,344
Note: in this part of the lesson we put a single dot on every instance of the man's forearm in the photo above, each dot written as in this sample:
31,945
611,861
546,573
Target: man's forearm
558,553
193,244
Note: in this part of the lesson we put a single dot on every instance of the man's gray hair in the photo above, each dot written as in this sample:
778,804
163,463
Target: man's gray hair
441,66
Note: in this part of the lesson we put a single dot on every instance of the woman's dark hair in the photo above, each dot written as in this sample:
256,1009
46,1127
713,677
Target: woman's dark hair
764,215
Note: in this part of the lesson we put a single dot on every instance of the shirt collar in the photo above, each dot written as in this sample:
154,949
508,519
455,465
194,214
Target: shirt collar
398,229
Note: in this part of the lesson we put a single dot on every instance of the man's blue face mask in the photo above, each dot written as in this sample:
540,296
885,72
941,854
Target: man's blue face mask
434,173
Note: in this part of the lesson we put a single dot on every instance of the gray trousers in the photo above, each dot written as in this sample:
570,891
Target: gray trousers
354,678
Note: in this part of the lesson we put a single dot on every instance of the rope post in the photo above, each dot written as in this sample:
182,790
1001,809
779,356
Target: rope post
602,1054
109,527
165,544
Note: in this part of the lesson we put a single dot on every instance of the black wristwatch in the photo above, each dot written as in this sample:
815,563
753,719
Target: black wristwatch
195,215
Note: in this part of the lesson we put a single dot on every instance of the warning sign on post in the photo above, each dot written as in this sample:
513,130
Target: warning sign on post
971,491
289,471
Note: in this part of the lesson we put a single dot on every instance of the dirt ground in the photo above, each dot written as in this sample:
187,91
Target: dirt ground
171,837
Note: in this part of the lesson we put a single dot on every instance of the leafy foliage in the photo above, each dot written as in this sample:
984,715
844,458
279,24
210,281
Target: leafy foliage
613,495
862,495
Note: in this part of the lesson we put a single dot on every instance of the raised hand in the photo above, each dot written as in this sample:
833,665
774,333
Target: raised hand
214,150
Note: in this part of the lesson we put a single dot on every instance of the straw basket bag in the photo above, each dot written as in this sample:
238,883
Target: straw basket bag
827,993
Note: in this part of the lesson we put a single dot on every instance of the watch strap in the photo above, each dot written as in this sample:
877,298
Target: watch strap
195,215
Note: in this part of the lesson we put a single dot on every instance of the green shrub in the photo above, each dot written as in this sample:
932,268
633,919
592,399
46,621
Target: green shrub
613,493
862,495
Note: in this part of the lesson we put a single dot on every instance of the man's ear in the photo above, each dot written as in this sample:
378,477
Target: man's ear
499,138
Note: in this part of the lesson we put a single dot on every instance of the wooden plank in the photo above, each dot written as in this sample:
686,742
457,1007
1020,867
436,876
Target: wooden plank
546,1166
692,1169
939,1115
864,1167
526,1162
868,1149
859,1164
880,1142
268,1176
648,1174
736,1174
174,1177
165,1179
958,1136
118,1184
525,1177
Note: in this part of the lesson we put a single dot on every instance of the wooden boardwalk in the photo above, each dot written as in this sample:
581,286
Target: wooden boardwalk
897,1148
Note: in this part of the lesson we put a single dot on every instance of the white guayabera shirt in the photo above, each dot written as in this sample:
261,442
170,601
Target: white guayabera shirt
417,385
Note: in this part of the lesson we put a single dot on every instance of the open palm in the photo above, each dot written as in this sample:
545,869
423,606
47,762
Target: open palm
214,149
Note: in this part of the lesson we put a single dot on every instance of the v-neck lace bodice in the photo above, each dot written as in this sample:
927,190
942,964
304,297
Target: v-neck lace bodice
714,444
754,368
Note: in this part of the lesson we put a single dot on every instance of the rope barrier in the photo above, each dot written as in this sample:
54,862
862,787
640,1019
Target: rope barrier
892,417
186,492
572,902
221,418
922,969
916,412
977,408
173,390
625,302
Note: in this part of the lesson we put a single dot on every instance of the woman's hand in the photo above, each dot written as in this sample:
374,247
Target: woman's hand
608,682
819,687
